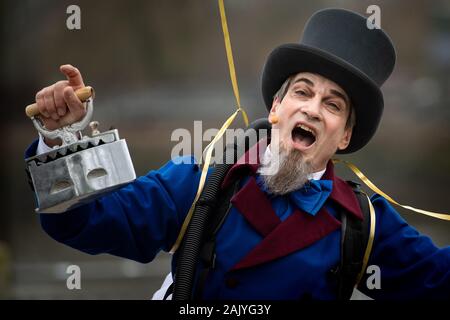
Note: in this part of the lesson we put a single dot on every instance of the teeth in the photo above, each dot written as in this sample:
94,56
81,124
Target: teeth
306,129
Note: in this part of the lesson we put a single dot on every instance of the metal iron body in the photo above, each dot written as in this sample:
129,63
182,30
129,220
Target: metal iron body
81,169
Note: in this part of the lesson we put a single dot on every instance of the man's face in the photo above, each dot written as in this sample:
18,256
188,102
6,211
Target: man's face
312,118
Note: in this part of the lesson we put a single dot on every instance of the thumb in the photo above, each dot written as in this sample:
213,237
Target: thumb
73,76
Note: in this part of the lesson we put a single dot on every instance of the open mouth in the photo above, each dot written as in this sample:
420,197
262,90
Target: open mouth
303,137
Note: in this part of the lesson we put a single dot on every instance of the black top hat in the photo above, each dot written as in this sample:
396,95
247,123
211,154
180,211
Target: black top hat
338,45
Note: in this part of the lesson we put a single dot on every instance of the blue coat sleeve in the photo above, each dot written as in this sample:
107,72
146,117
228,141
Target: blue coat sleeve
31,150
410,265
135,222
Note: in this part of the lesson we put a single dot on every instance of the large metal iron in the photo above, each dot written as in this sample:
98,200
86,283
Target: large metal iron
81,169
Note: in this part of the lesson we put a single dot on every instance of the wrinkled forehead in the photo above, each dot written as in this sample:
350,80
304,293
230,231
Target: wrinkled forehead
318,81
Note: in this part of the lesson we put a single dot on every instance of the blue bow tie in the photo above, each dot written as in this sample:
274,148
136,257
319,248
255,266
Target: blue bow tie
311,197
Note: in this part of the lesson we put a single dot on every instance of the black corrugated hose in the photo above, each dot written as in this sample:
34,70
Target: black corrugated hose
190,246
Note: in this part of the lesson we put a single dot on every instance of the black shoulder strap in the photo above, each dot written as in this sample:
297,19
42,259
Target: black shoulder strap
355,236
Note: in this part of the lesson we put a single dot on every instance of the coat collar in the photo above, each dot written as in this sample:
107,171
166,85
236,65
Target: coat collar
342,193
279,238
299,230
248,164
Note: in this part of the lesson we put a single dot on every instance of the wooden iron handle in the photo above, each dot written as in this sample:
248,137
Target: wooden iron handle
83,94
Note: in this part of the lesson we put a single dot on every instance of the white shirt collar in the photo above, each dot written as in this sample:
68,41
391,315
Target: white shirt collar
316,175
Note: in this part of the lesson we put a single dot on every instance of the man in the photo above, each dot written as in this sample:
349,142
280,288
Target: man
282,235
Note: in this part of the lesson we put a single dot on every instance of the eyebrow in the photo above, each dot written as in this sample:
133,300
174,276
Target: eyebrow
307,81
332,91
340,95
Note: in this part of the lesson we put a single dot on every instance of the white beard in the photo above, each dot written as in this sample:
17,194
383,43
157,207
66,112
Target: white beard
283,171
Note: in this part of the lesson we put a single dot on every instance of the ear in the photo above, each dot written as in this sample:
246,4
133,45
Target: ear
275,105
345,140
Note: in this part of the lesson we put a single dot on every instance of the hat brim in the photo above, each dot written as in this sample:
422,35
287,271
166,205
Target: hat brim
365,95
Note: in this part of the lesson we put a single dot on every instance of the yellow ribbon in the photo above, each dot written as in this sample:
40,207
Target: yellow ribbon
222,130
367,182
226,36
369,242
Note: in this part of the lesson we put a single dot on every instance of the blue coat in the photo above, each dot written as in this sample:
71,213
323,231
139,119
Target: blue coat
267,248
